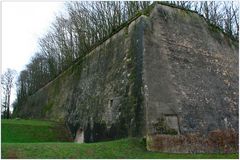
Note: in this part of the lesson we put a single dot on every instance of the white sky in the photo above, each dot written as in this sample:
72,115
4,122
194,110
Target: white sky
23,23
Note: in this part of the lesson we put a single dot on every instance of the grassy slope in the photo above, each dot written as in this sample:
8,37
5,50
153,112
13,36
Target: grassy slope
18,131
14,131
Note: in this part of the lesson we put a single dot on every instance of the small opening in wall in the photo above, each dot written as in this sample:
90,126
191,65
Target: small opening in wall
111,103
172,121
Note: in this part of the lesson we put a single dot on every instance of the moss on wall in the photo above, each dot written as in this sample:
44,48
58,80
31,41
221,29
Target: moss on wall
101,93
161,127
161,64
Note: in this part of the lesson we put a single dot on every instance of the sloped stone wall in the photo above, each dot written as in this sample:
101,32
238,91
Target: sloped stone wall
100,94
168,76
190,74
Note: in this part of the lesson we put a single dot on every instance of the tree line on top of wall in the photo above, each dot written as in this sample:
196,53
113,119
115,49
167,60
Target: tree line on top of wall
224,15
84,24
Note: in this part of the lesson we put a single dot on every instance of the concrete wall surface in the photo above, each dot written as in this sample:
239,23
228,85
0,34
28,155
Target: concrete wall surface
190,77
169,76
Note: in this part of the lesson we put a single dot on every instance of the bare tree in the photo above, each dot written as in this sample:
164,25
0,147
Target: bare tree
235,10
7,85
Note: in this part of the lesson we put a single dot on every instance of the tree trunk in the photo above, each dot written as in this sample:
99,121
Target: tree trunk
8,106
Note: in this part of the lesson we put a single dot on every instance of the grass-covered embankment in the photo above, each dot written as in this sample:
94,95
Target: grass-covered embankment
23,131
44,141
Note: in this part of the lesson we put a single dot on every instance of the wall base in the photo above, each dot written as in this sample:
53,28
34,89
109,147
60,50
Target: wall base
217,141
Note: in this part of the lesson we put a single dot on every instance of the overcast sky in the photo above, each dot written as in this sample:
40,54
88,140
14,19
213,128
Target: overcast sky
23,23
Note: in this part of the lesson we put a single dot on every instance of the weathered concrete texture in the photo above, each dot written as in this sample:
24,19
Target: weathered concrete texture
170,77
190,79
101,94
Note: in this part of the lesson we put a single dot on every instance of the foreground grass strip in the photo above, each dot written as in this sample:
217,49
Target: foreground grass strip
125,148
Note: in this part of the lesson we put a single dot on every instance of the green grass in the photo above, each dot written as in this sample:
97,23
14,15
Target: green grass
22,131
27,122
41,134
125,148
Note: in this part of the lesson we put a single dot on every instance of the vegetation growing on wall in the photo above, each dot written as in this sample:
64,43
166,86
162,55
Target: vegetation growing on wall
87,24
161,127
